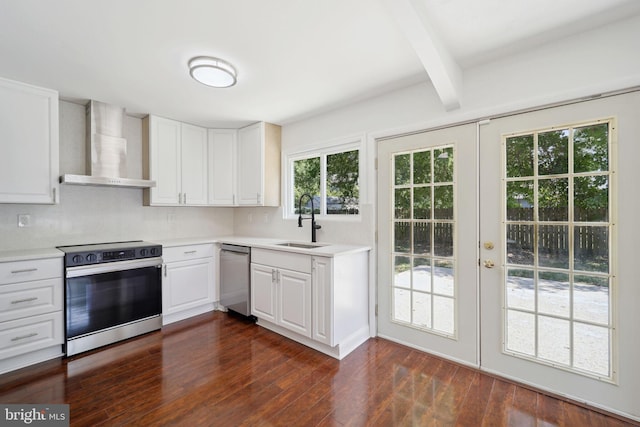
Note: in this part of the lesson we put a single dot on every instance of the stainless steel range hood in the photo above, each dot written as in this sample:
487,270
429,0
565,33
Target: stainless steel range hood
106,150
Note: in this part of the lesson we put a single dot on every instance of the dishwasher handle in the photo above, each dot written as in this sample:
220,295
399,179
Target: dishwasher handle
236,248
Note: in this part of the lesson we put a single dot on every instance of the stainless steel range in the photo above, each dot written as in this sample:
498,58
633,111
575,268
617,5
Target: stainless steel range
113,291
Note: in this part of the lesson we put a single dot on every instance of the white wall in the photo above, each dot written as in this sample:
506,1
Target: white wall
603,59
103,214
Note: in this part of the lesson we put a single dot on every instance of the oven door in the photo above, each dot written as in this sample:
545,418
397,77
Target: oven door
103,296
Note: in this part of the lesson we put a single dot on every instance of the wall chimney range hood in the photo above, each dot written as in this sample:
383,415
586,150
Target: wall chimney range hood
106,150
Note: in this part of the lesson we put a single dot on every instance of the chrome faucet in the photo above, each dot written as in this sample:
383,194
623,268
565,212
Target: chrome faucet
314,226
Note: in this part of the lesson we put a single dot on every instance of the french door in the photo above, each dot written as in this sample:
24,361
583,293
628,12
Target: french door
427,239
537,246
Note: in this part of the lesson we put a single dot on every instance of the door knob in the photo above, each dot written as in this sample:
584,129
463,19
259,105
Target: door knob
488,263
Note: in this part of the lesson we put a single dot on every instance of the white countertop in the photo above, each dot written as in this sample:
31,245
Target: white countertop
29,254
327,249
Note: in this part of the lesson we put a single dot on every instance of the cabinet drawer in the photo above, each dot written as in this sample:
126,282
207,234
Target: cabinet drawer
30,334
25,271
30,299
184,253
282,259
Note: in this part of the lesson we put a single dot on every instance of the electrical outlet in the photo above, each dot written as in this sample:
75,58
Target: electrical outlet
24,220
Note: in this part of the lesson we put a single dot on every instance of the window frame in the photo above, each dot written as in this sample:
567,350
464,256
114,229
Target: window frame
322,151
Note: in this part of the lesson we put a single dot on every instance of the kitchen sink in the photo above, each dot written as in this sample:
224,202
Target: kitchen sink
301,245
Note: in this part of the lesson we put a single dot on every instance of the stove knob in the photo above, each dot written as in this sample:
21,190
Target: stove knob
154,251
92,257
77,259
143,252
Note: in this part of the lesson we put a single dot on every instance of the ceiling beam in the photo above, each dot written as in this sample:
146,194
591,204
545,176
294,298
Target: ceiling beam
444,72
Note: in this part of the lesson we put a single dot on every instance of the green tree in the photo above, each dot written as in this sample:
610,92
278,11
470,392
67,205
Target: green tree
342,180
306,179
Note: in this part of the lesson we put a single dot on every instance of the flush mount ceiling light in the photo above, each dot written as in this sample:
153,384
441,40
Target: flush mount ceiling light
212,72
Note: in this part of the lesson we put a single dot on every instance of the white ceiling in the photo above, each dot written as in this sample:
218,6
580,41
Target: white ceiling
295,58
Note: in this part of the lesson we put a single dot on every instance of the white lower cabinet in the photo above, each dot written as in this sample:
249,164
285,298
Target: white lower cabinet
31,312
282,296
263,292
322,300
188,285
294,301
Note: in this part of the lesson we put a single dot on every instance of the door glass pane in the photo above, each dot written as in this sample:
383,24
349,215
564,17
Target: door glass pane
422,203
591,245
443,314
422,309
402,305
519,156
443,202
402,237
402,171
443,277
553,152
557,224
553,246
422,238
591,299
553,340
591,198
521,289
553,293
553,199
521,332
443,165
591,348
422,167
401,273
402,203
520,244
591,148
424,275
421,274
520,200
443,239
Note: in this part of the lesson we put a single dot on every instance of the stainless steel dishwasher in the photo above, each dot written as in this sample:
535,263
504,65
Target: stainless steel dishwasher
235,279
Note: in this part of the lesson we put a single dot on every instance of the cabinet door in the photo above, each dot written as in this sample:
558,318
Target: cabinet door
28,143
294,301
194,164
222,170
164,152
263,292
250,165
187,284
322,300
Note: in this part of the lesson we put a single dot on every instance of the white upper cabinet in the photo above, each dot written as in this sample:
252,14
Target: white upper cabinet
194,165
222,167
28,144
258,161
177,160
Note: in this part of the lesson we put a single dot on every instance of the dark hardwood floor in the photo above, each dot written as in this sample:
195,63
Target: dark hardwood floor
216,369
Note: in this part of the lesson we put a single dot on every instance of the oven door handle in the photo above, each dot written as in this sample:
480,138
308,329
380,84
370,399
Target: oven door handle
89,270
